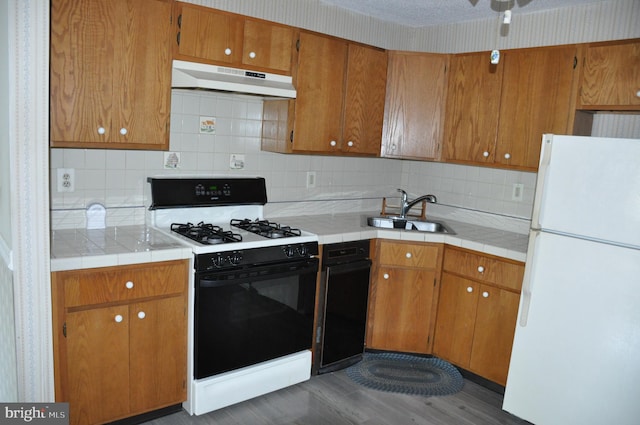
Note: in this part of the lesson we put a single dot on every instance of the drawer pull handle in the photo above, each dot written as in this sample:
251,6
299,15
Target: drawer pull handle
118,318
141,315
129,285
408,255
469,289
485,294
480,269
386,275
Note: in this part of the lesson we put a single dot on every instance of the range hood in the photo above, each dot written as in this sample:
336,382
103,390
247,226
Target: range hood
213,77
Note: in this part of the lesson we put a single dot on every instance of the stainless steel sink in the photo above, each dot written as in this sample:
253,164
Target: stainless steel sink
392,222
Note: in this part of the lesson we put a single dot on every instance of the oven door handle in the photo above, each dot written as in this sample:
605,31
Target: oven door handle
273,271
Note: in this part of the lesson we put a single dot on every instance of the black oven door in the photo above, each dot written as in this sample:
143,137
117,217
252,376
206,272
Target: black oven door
244,317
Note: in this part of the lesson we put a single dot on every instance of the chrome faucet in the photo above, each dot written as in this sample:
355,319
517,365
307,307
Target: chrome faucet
406,205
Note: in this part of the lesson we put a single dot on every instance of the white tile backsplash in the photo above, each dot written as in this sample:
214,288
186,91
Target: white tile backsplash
117,178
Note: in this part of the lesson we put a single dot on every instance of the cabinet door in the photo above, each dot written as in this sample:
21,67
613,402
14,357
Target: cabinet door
456,319
320,93
402,310
81,70
473,105
415,104
267,45
110,73
364,104
98,358
142,77
494,331
536,99
611,77
158,353
209,34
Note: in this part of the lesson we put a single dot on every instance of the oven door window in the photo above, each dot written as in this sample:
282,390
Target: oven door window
248,316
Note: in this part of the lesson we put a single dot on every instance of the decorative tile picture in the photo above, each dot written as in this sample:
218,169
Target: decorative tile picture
207,125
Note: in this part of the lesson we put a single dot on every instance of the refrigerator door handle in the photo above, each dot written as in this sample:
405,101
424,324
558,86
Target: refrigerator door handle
543,169
527,280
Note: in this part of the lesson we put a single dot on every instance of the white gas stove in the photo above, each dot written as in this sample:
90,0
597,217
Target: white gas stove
252,295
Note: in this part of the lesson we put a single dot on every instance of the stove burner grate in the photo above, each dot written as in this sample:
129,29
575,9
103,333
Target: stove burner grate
266,228
206,234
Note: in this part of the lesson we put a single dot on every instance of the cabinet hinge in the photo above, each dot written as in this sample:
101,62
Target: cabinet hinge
180,21
434,283
575,62
298,45
64,329
291,137
178,38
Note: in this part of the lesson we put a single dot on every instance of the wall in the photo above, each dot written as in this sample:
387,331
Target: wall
8,366
117,178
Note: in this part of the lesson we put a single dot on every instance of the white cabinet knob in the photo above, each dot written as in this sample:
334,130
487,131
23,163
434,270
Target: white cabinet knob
480,269
485,154
333,143
507,155
118,318
101,130
141,315
638,93
408,255
393,147
227,51
485,294
252,55
123,131
350,143
129,285
386,275
469,289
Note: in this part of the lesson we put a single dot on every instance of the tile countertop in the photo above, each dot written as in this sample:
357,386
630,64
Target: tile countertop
335,228
83,249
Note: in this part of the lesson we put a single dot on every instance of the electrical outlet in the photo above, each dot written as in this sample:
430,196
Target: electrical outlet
311,179
517,194
66,179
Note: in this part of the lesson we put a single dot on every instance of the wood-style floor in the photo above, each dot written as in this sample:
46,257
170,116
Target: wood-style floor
333,399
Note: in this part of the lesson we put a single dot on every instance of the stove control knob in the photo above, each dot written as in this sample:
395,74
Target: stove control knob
217,261
289,251
303,250
235,258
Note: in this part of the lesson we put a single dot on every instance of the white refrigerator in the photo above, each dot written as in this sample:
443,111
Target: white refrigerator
576,352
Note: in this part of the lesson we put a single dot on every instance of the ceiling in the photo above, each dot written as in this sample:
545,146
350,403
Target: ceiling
422,13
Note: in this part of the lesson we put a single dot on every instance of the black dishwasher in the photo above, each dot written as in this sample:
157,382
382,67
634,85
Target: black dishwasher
342,305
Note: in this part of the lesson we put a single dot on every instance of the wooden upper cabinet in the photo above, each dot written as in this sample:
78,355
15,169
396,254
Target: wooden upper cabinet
319,83
537,87
611,76
110,73
497,114
473,105
340,100
218,37
415,105
365,99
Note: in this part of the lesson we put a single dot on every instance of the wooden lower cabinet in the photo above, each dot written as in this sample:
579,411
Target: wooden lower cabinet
122,349
403,298
476,317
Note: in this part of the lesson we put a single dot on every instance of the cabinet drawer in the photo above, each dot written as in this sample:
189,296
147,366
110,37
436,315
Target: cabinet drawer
110,284
408,254
484,268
